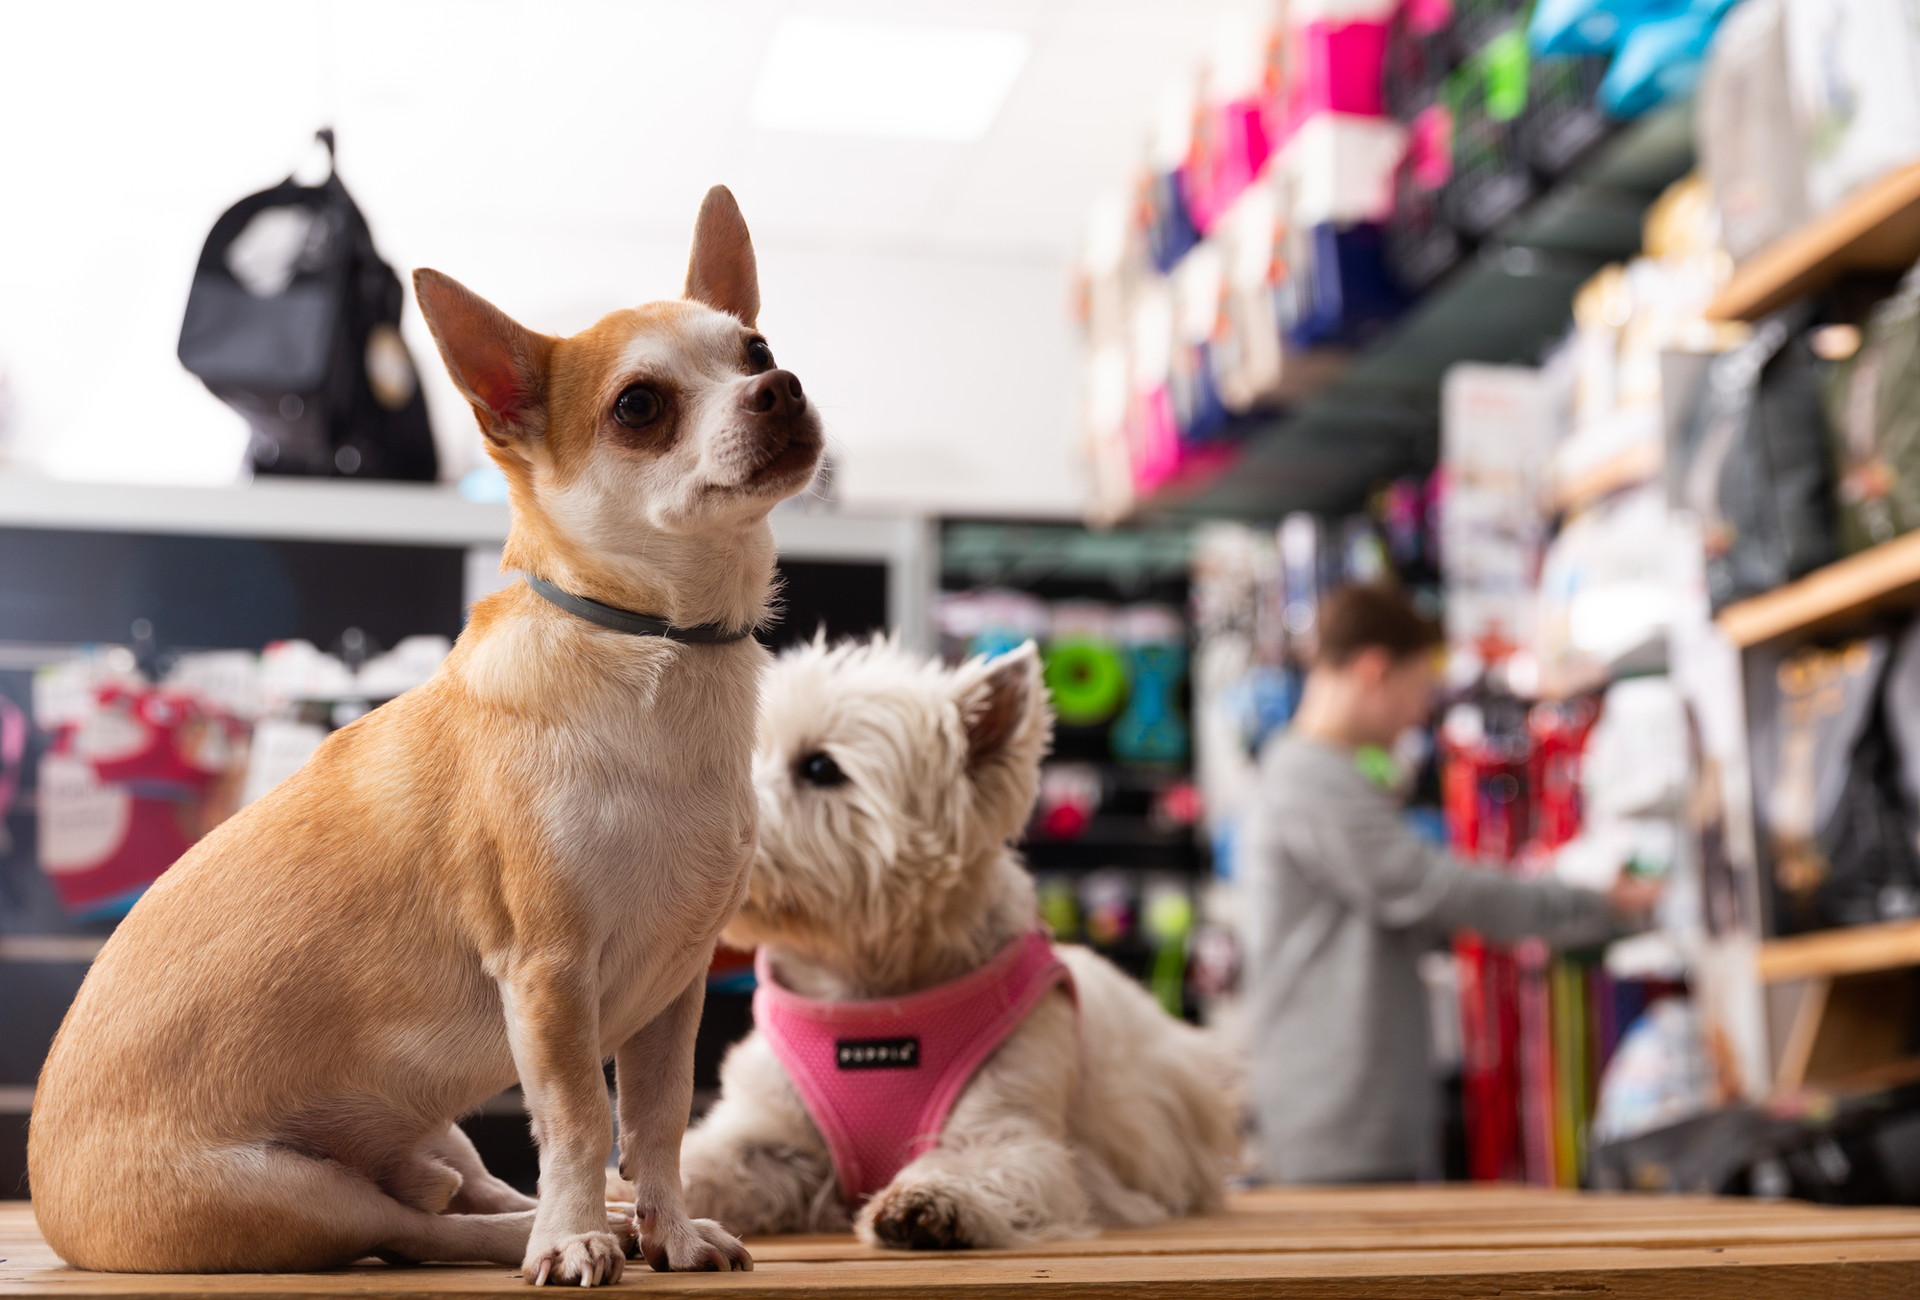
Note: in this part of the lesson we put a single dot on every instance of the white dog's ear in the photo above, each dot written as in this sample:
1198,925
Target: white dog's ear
722,272
996,705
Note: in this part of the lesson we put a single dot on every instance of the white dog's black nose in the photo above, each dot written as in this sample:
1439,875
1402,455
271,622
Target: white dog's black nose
776,394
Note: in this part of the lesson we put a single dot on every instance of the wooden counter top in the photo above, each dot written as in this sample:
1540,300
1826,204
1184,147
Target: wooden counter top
1371,1243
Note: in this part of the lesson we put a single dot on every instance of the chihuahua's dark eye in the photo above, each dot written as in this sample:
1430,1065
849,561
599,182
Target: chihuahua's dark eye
759,355
819,769
638,406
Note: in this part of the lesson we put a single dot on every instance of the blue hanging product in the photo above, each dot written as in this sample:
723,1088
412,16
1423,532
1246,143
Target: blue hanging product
1150,730
1592,26
1340,291
1660,60
1197,408
1170,229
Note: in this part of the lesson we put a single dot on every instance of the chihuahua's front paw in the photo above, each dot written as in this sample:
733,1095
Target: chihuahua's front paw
922,1216
584,1259
682,1245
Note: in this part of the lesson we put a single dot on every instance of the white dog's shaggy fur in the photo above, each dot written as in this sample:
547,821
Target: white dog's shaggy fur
899,877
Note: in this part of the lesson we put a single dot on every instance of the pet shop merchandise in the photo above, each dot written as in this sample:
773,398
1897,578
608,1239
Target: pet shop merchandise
1655,46
1838,849
1086,670
1231,140
1854,80
1199,291
1607,596
1873,403
294,321
305,694
1659,1075
927,1046
1253,366
1748,135
1152,730
1422,245
1488,176
1327,58
1494,440
989,622
1340,293
1301,539
1421,49
1160,195
1900,898
1759,474
135,774
1242,688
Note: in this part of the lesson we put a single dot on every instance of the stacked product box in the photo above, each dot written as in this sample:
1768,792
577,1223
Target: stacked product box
1491,123
1251,250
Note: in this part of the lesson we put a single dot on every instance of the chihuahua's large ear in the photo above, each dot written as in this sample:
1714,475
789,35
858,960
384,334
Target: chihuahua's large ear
1002,704
722,273
499,365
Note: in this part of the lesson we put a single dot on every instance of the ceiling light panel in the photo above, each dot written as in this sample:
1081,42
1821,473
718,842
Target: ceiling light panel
890,80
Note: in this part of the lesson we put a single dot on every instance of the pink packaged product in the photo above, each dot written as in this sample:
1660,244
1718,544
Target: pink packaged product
1230,146
1156,439
1328,58
1160,455
1322,56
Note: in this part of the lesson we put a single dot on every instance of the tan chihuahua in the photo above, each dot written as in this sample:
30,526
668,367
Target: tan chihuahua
515,871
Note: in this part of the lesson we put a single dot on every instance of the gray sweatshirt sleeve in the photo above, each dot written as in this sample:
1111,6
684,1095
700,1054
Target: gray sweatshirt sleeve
1348,838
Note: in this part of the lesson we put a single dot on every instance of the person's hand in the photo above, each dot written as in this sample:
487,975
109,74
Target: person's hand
1632,897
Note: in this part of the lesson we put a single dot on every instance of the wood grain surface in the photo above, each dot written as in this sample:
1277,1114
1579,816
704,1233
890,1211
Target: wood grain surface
1403,1243
1876,228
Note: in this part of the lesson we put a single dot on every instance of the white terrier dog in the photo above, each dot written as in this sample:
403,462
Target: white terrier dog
915,1044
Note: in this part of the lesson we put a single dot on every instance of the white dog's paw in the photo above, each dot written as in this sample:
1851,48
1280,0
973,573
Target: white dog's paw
682,1245
921,1216
584,1259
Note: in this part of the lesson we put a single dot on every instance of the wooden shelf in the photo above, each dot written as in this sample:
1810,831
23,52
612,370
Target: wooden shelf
1887,575
1841,952
1876,229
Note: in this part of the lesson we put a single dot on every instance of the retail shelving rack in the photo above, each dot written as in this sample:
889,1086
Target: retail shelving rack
1838,993
1376,418
419,553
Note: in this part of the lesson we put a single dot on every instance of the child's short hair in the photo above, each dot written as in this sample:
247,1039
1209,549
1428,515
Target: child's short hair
1363,616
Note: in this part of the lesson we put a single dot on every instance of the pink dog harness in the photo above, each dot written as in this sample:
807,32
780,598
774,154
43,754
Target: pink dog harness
880,1077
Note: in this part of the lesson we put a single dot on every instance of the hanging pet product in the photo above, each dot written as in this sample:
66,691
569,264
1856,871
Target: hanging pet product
294,321
1825,768
1151,729
130,782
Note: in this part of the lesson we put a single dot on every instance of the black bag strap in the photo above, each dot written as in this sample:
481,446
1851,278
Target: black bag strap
329,193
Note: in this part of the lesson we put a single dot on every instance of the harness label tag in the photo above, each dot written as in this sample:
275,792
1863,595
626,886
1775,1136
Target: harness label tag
876,1053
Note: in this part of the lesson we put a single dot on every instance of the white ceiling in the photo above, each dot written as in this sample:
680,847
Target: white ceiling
551,155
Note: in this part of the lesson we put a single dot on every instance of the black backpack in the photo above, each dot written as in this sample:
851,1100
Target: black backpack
294,321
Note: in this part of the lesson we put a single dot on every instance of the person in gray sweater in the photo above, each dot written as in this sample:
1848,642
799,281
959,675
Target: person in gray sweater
1343,900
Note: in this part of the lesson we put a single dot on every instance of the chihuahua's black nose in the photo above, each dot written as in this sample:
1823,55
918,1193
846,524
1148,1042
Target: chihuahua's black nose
776,393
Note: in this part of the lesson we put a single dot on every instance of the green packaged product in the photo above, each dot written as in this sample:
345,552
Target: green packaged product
1873,404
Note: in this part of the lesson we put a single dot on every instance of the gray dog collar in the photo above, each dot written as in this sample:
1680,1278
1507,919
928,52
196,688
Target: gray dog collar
625,620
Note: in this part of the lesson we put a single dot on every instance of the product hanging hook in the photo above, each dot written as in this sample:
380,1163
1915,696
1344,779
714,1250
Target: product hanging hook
307,173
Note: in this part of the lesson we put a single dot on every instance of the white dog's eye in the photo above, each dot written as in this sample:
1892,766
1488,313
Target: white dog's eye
818,768
759,355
